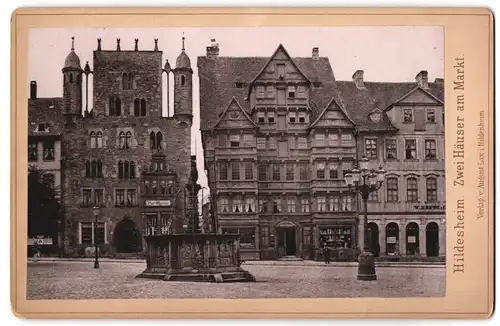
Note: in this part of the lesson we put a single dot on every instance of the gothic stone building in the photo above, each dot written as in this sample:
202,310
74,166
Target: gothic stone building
278,135
106,149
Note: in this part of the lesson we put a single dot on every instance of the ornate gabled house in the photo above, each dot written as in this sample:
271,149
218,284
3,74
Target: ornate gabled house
280,132
273,178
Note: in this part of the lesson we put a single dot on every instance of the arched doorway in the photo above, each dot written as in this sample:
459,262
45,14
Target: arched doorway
126,237
392,239
432,239
412,239
286,235
373,239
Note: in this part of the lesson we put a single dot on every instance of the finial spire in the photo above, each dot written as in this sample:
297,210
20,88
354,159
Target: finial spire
118,44
183,38
156,44
136,44
98,44
72,43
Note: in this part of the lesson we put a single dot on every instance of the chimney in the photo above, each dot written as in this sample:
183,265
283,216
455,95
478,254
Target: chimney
357,78
213,49
439,80
422,80
315,53
33,90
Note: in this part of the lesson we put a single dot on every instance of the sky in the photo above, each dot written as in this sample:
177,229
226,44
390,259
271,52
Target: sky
390,54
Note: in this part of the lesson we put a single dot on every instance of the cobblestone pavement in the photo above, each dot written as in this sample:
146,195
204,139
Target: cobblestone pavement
79,280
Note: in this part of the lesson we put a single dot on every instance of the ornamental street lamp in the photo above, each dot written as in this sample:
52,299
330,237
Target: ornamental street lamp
95,210
364,182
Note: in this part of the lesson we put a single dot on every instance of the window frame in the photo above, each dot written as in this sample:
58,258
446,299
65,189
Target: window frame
429,191
235,171
50,146
430,150
248,171
412,189
407,141
392,189
390,150
371,147
427,111
410,111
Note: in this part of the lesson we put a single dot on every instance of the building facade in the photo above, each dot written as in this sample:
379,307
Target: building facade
44,151
280,132
106,149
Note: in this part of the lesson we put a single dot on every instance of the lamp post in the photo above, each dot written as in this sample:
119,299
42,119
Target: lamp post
95,210
364,181
202,198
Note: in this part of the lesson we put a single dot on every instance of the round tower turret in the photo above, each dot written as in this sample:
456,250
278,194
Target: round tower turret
72,83
183,87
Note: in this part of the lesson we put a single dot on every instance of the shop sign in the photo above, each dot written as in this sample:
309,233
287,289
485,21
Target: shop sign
412,239
391,240
39,241
429,207
156,203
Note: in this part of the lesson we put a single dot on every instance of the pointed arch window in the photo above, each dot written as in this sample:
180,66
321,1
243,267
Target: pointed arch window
127,81
115,106
126,169
132,170
121,139
143,107
136,107
159,139
88,172
124,80
94,169
99,139
163,187
183,80
99,169
154,187
128,139
120,169
152,140
130,81
93,140
71,78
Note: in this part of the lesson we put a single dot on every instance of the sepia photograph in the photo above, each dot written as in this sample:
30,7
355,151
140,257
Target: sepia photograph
236,162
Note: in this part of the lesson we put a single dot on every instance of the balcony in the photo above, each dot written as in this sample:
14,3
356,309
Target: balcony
236,185
341,151
328,184
283,185
236,151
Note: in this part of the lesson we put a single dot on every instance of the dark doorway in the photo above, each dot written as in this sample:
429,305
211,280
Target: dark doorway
432,239
286,242
392,239
412,239
126,237
373,239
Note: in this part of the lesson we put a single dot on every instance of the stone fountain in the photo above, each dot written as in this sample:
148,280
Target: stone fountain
188,255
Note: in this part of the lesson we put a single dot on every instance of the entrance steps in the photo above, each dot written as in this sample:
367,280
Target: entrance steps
290,258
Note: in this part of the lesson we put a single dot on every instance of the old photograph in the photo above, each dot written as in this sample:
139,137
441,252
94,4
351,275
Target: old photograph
236,162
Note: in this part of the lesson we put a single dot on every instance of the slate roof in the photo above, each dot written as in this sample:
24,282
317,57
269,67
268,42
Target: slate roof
218,77
359,103
45,109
